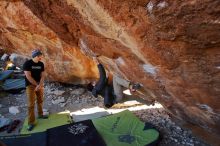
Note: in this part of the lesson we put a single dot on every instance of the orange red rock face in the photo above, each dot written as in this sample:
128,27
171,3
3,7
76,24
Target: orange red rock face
22,31
171,47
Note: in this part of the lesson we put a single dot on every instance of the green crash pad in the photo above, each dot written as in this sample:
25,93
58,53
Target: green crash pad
125,129
53,120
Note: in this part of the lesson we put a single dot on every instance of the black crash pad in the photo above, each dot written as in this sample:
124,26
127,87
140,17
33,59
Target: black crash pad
37,139
77,134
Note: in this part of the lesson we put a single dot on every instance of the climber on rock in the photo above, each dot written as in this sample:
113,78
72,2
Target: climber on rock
112,91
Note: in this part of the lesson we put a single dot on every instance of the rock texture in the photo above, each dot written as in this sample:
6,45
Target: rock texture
171,47
21,31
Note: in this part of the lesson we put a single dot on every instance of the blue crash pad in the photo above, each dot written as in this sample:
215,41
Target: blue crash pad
5,74
13,84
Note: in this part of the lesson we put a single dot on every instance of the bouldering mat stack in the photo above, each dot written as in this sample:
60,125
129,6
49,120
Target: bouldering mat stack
125,129
53,120
77,134
14,85
37,139
5,74
10,83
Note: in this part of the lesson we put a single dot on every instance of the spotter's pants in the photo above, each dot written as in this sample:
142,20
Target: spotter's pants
33,96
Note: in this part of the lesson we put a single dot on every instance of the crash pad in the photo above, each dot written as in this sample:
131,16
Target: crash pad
53,120
37,139
78,134
125,129
5,74
13,84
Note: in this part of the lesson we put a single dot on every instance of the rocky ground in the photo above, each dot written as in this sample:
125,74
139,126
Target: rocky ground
59,97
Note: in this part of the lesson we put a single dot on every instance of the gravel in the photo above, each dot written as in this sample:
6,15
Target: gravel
59,97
